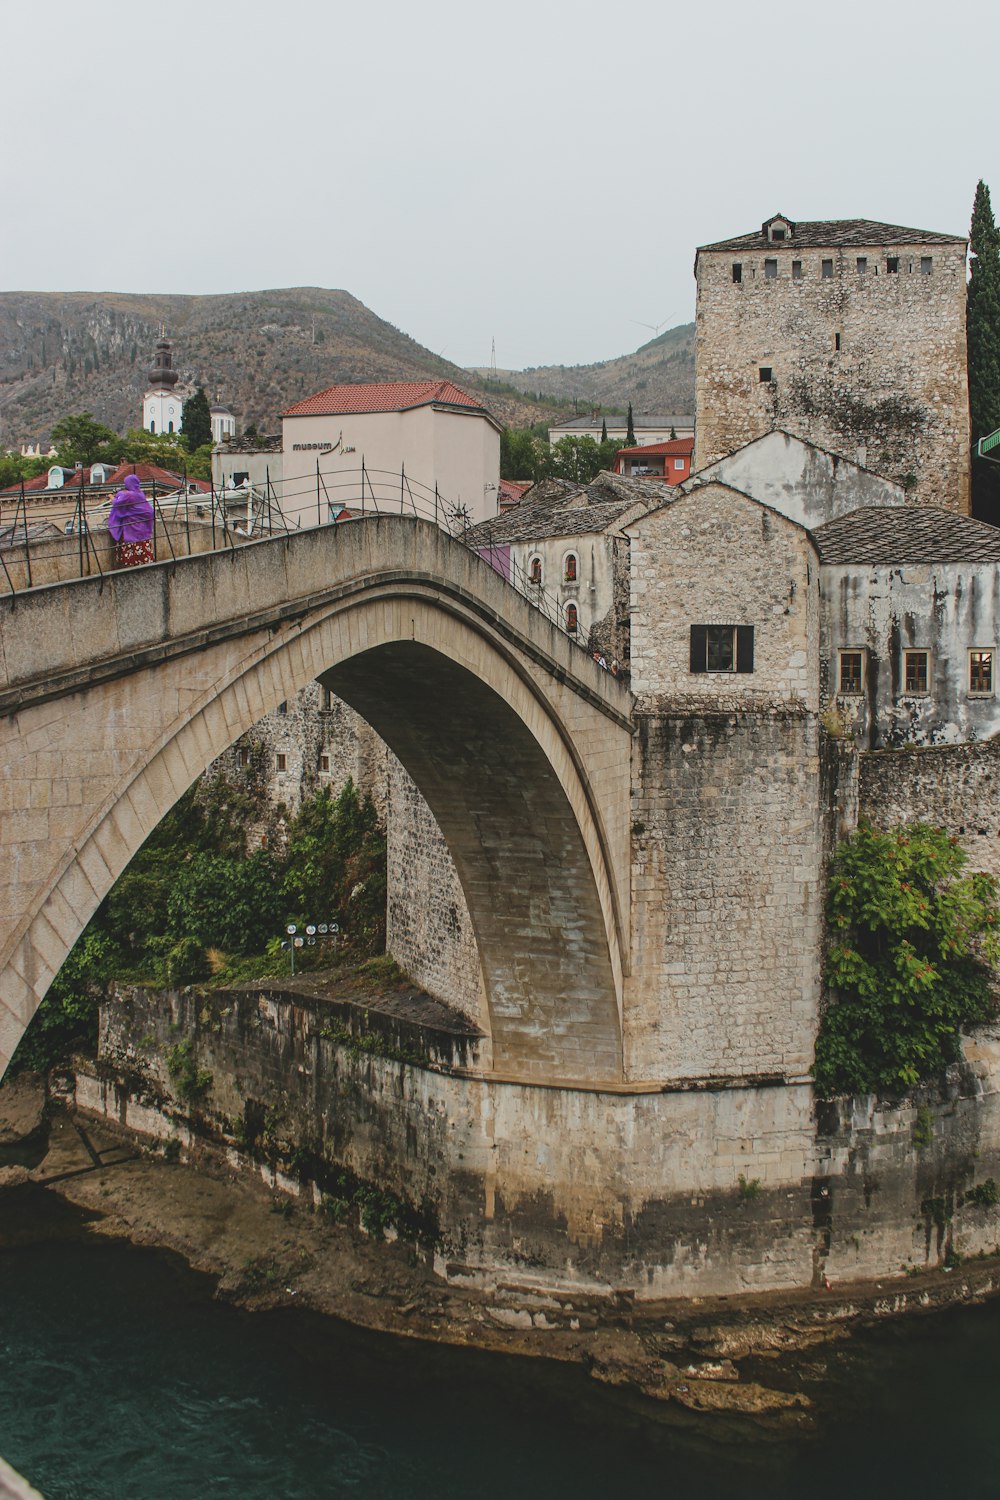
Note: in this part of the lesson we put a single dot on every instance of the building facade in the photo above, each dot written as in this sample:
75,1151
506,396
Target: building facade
648,428
848,333
669,461
442,439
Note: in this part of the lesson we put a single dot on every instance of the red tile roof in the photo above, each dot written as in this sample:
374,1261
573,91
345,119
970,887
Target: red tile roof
511,492
676,448
148,473
390,395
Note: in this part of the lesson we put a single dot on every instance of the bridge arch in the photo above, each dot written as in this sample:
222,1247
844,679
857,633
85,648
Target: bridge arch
514,758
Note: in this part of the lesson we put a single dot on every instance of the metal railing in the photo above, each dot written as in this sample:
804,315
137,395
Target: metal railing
51,536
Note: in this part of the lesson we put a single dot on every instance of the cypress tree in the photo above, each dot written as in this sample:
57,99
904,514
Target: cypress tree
983,325
604,429
984,318
197,420
630,431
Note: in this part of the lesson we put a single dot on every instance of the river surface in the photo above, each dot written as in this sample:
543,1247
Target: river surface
121,1377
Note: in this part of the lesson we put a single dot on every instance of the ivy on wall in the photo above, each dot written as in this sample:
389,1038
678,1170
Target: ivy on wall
915,939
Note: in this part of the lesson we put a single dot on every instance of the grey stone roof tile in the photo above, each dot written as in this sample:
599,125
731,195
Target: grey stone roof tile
837,233
570,510
878,537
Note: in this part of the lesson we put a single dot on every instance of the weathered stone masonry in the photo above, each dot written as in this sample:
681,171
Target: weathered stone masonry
868,363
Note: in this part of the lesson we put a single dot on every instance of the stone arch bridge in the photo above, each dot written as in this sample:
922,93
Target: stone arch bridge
117,693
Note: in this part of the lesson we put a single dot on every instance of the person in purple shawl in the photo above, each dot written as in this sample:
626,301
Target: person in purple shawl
130,522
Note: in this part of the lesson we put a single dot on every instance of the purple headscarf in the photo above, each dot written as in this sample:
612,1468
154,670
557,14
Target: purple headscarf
131,516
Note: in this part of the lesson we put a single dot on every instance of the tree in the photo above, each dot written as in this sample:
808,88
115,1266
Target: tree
164,448
604,429
630,430
336,867
80,440
196,420
525,453
983,326
914,941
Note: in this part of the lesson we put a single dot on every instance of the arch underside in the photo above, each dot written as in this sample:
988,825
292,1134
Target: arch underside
517,847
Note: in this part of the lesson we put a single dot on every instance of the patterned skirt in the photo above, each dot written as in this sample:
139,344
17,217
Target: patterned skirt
134,554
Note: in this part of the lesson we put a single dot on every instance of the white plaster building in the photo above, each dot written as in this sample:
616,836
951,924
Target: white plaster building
440,434
647,428
223,423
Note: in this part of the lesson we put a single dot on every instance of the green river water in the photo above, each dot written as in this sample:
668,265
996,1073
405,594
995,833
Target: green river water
121,1377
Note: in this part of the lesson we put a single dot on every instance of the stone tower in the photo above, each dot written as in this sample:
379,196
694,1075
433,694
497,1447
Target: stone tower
848,333
162,403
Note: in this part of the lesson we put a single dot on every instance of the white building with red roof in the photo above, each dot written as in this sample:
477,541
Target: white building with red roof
410,436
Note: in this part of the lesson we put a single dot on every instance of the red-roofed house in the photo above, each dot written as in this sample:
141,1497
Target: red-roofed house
670,461
433,429
101,476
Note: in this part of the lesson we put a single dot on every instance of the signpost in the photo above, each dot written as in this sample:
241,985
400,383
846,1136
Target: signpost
296,940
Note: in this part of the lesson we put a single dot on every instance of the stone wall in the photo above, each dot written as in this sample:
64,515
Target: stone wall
726,897
954,786
946,609
660,1192
428,927
312,741
893,396
716,557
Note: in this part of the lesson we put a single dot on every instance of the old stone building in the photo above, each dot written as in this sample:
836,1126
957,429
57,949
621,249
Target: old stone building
565,546
849,333
910,626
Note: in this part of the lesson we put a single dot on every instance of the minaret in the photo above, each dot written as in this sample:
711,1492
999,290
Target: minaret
161,404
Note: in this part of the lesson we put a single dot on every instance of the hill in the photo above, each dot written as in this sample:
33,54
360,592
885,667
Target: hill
658,378
258,352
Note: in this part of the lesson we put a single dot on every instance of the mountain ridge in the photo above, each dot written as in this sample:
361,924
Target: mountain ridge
261,351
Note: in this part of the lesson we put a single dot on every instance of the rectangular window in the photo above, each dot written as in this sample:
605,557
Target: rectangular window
244,759
796,270
325,700
324,763
926,265
721,648
828,268
770,269
836,342
862,265
892,264
981,673
678,463
280,762
916,672
737,270
851,672
777,234
764,374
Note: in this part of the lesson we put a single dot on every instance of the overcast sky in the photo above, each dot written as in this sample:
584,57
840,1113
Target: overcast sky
537,173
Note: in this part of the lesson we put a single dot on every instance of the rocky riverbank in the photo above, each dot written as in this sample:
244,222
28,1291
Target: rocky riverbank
62,1174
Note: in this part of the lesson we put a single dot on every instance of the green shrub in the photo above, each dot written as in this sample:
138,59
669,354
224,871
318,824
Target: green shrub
187,962
914,942
190,1082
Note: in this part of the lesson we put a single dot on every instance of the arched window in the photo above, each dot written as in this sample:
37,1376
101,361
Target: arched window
152,426
170,426
572,620
535,570
569,567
